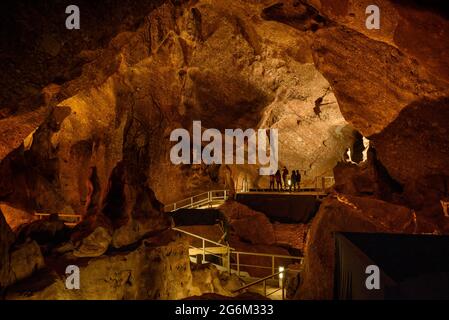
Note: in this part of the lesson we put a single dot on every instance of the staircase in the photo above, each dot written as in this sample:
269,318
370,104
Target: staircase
228,259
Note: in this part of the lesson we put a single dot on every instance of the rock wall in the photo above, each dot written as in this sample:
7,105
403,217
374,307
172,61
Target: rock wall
158,268
340,213
219,63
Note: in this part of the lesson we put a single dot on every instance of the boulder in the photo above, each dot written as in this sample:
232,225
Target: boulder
346,213
25,260
368,178
247,224
291,236
49,230
95,244
158,268
263,263
16,217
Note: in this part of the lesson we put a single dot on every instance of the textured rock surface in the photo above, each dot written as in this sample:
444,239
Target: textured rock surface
86,116
16,217
6,240
391,84
291,236
26,259
247,224
351,214
177,66
159,268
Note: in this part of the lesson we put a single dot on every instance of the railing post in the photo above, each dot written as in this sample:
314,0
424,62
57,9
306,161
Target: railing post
229,260
174,206
281,280
272,264
225,194
204,251
238,264
265,288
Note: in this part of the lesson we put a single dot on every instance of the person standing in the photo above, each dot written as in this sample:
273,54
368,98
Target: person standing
278,180
298,179
271,181
293,181
284,177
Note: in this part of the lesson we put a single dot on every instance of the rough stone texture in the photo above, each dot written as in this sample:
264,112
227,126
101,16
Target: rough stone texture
391,84
264,262
25,260
345,213
38,50
159,268
47,231
85,124
95,244
291,236
16,217
369,178
6,240
175,67
208,279
247,224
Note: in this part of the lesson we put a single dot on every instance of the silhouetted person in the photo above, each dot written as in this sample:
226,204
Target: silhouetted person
271,181
278,180
298,179
293,181
285,176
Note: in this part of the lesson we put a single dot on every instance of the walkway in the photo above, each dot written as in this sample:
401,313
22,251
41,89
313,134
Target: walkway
228,259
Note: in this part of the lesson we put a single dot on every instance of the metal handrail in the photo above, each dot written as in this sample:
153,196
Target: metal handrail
264,280
69,215
191,202
202,238
258,281
230,251
267,255
261,267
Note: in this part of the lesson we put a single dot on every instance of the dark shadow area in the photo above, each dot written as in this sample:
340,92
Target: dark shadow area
282,208
196,217
410,266
115,201
440,7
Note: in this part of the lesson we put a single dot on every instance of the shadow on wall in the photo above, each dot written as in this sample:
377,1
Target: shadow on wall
414,150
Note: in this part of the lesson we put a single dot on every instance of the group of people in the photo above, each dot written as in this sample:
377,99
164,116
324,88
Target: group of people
282,181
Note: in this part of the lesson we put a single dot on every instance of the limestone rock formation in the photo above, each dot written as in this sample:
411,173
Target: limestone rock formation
247,224
388,86
16,217
175,67
159,268
26,259
6,240
49,230
86,117
345,213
